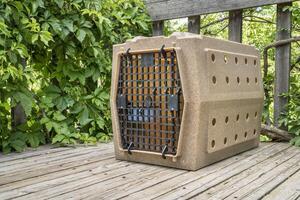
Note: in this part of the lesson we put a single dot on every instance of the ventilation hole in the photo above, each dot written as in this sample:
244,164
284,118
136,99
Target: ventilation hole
226,119
238,80
213,143
214,121
225,140
247,116
255,114
236,60
254,62
248,80
225,59
254,132
214,80
255,79
227,79
235,137
213,57
237,117
246,61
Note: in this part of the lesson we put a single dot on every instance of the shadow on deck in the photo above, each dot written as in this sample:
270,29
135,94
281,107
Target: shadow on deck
271,171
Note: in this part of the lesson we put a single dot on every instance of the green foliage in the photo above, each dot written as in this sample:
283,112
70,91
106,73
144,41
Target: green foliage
55,60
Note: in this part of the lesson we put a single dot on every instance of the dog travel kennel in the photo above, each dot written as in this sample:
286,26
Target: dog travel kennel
185,101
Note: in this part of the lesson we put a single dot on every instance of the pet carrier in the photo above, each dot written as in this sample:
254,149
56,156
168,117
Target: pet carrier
185,101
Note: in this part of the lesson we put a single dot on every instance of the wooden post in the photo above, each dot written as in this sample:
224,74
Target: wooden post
235,25
282,61
18,115
194,24
158,28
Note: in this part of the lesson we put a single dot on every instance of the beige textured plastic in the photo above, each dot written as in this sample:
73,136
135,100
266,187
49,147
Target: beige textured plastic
223,99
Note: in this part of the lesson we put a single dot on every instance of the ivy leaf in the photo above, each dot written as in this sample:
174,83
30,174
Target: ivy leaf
4,29
100,123
58,138
35,139
17,141
60,3
49,126
12,57
34,38
80,34
52,89
58,116
18,145
84,117
45,120
76,108
45,37
64,102
25,101
37,3
68,24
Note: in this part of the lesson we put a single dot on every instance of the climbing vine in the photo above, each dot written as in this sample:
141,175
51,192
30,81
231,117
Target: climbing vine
55,62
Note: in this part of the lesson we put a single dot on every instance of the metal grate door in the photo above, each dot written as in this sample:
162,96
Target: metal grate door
150,101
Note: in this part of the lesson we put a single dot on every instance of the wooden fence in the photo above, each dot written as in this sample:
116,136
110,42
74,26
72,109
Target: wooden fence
161,10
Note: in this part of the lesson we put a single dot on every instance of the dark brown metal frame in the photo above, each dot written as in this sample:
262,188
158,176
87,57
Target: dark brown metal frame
150,101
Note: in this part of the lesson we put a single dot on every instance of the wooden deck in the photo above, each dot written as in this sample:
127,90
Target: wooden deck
271,171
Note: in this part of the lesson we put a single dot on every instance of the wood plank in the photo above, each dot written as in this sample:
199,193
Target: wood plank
266,182
203,178
194,24
27,186
132,170
198,185
159,174
30,153
158,28
282,62
10,166
247,177
55,167
289,189
95,174
44,162
130,188
166,9
235,26
41,150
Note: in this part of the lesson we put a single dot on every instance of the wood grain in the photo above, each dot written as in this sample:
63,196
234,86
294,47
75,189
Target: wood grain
271,171
172,9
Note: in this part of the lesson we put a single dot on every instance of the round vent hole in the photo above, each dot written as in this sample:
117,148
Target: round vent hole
213,57
226,119
247,116
213,143
214,80
227,79
214,121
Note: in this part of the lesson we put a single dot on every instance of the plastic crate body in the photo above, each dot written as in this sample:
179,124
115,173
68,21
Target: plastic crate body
185,101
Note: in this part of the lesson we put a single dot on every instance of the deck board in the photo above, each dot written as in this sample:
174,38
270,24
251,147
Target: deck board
271,171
